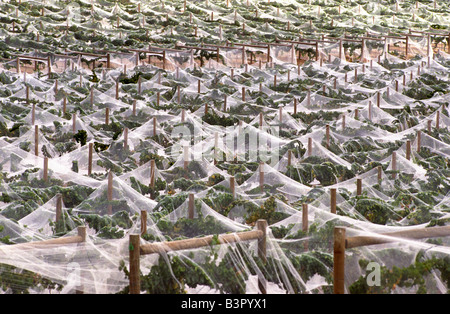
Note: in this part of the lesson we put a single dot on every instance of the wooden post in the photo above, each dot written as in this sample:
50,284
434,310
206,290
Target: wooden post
117,89
327,135
225,103
58,207
164,59
408,149
108,61
27,93
295,105
406,47
419,137
110,192
233,186
243,93
152,173
339,260
64,104
49,65
143,221
261,225
134,276
36,140
91,149
191,206
309,146
358,186
333,200
305,217
134,108
45,176
261,176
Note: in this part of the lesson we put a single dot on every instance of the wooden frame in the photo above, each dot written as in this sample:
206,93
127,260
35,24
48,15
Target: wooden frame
136,250
342,242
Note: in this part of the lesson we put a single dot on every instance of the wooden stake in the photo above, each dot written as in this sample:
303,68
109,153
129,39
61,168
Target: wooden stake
261,225
305,217
309,146
143,221
358,186
327,135
380,172
36,140
58,207
408,149
45,176
333,200
134,275
64,104
419,137
106,115
152,173
191,206
233,186
339,260
261,176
